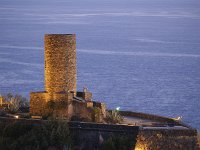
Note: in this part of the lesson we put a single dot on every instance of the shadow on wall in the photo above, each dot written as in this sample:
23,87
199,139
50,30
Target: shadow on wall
104,141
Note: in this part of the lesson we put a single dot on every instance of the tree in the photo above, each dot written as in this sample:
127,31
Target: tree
15,102
113,116
120,142
51,134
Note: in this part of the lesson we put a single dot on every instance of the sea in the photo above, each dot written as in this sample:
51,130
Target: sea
139,55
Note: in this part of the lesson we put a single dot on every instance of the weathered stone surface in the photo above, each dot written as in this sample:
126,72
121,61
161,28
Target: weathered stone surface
60,74
167,139
60,62
37,103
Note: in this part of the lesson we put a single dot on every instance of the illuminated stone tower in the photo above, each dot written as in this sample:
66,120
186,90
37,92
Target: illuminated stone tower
59,72
60,97
60,63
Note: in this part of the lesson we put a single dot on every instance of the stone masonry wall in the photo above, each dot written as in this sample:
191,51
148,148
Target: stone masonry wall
60,82
38,103
167,139
60,62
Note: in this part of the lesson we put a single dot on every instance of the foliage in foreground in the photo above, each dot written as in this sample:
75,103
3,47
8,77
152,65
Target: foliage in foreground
117,143
50,135
113,116
15,102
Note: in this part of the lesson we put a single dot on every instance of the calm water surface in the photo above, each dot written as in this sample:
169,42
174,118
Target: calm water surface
140,55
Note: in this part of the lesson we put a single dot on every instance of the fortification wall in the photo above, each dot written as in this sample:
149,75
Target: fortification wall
161,119
60,62
38,103
90,135
167,139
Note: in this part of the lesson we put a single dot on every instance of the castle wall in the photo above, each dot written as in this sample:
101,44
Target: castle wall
167,139
84,110
60,83
37,103
85,95
60,62
39,100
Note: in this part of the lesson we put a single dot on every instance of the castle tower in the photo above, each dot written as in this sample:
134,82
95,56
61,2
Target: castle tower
60,82
60,62
59,72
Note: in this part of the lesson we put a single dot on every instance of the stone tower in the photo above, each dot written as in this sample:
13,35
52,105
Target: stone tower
60,97
60,62
59,72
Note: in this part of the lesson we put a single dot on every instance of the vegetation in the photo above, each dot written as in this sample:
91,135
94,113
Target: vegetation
117,143
96,114
2,113
56,108
113,116
15,102
53,134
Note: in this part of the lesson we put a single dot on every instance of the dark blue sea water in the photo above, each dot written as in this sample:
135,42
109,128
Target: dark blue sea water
141,55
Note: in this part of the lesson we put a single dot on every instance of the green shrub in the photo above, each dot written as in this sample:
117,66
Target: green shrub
117,143
15,102
55,109
113,116
14,130
54,133
96,114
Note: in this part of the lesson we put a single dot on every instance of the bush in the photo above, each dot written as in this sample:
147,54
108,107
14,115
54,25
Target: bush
54,133
113,116
2,113
117,143
16,129
15,102
56,109
96,114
